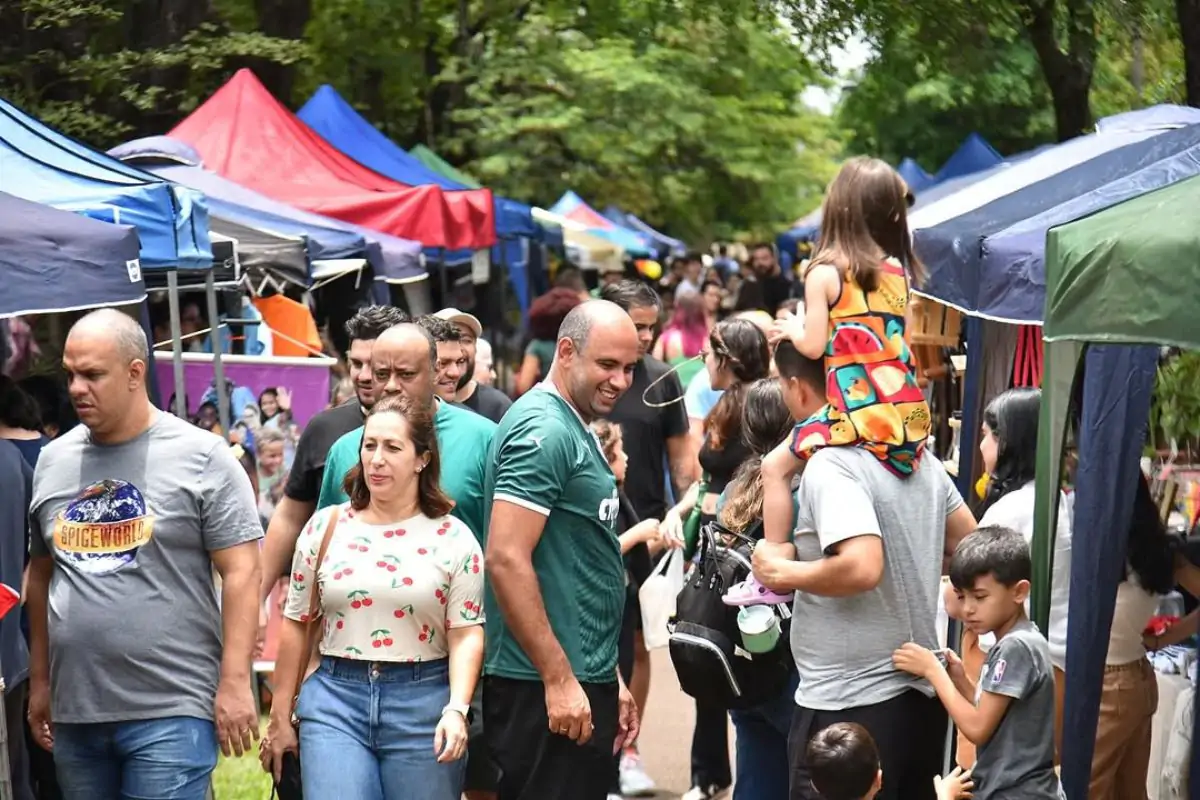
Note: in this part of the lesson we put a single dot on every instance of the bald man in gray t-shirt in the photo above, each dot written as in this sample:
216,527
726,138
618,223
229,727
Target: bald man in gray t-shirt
872,543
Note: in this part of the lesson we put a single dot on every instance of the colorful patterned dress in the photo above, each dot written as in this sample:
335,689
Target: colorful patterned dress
870,378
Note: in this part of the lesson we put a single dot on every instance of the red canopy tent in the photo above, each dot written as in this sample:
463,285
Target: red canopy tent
245,134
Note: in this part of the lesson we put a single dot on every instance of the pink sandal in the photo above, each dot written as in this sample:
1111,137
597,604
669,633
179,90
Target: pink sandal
752,593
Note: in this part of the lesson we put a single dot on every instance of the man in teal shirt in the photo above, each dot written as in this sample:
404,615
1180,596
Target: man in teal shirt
403,364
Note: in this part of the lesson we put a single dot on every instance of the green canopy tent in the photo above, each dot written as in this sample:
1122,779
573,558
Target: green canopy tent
434,162
1119,284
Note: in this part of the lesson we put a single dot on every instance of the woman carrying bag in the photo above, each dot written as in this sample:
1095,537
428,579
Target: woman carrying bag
398,625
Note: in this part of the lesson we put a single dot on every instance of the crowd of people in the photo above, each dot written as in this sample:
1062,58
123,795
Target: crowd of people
459,571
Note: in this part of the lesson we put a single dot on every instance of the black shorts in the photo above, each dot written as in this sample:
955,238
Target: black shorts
909,730
535,764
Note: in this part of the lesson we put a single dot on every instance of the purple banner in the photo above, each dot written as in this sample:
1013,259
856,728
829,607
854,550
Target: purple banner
307,378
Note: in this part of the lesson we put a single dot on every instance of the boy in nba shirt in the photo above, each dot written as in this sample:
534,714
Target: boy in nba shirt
1009,715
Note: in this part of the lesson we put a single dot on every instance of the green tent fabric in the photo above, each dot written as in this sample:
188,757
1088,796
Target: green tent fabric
439,165
1128,274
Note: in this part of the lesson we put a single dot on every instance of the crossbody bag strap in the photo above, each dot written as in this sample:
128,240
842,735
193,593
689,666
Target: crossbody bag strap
314,604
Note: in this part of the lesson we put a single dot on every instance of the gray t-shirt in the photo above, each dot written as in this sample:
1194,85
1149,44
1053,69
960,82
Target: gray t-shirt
843,645
1017,763
135,627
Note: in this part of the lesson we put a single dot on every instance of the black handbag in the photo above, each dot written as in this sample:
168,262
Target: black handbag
289,786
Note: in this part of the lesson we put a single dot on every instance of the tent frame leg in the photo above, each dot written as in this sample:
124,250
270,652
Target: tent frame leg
214,336
180,409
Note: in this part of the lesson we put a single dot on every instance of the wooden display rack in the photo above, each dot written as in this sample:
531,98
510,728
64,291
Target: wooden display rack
934,326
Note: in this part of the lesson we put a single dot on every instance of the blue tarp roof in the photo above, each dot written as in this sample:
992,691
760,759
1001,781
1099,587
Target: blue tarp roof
42,165
328,238
989,260
973,155
328,113
666,245
53,260
916,177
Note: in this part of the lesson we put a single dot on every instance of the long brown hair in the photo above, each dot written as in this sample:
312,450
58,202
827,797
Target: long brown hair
432,501
742,347
766,422
864,220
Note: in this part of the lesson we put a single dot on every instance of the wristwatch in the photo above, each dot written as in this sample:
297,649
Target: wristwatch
462,709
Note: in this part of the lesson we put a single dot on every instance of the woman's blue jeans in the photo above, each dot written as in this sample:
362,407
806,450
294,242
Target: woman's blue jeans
762,747
366,731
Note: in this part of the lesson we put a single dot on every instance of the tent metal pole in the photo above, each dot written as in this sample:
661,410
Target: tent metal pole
444,278
181,409
214,335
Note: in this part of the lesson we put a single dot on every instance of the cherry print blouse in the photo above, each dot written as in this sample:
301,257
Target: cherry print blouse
388,592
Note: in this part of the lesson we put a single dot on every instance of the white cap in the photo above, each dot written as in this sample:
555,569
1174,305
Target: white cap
453,315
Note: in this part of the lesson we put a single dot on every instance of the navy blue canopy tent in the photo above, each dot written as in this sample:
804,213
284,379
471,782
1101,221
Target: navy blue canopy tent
989,261
973,155
665,245
53,260
336,121
42,165
327,238
916,177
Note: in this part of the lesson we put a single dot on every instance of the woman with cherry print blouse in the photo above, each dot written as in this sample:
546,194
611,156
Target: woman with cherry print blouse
383,717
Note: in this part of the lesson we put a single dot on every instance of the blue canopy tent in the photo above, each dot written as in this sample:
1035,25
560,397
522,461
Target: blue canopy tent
1044,162
572,206
973,155
53,260
327,238
914,175
988,261
665,245
336,121
42,165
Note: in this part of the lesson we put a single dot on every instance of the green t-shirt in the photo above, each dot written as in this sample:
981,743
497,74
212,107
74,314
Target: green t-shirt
543,350
545,459
463,441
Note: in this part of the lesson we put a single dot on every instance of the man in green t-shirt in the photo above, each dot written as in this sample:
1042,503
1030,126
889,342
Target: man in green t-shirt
402,365
554,704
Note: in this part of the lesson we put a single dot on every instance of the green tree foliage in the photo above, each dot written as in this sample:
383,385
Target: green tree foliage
106,70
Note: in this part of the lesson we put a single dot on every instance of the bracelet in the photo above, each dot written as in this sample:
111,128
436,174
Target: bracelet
461,709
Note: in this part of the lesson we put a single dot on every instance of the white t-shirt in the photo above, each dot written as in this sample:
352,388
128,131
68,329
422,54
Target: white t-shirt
1134,608
388,592
1015,510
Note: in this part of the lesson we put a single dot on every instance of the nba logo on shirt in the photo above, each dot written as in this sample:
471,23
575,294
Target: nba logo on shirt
998,672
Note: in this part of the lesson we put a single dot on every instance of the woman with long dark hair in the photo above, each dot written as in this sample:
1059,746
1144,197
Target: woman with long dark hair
20,422
1129,696
737,356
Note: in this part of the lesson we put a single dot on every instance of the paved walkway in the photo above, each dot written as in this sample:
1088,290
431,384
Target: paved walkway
666,737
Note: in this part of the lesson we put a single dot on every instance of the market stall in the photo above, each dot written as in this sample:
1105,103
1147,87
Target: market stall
1111,303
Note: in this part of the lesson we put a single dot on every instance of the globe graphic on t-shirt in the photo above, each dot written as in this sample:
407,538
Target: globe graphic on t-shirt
107,501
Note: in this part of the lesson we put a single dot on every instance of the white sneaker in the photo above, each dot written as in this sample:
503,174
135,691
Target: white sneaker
612,796
634,780
704,792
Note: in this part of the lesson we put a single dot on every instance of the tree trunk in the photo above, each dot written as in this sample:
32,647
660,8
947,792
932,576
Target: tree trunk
1188,13
283,19
1068,74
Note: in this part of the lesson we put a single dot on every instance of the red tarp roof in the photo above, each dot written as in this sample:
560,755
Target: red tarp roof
245,134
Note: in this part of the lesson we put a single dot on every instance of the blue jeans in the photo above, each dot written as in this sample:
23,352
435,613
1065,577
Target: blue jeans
762,747
154,759
366,731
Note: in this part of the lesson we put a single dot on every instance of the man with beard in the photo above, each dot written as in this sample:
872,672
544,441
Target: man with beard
303,486
654,427
767,286
554,703
403,363
483,400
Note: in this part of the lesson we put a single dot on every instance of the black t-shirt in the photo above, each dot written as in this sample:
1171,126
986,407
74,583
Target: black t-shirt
765,294
645,430
488,402
308,467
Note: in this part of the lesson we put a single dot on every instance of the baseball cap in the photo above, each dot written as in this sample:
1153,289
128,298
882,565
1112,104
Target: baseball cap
461,317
